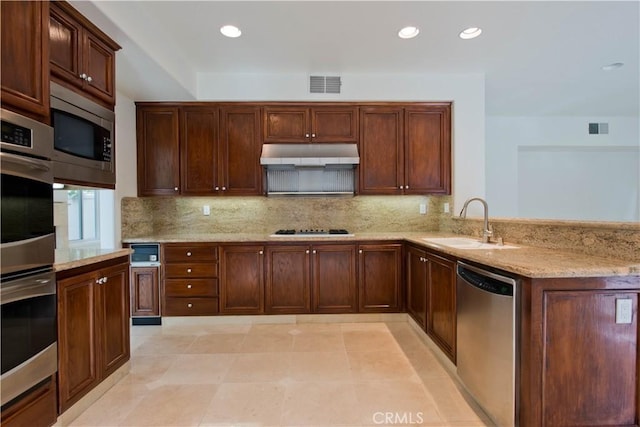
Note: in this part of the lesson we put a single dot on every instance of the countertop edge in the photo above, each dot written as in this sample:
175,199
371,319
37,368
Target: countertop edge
67,259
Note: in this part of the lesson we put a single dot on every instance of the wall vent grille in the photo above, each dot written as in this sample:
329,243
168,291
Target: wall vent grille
324,84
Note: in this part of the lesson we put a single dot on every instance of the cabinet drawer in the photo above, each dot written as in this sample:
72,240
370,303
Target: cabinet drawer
187,253
191,287
190,306
186,270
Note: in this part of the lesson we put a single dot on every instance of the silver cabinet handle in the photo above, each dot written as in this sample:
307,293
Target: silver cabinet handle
188,286
188,253
99,281
188,270
189,305
83,76
89,79
105,279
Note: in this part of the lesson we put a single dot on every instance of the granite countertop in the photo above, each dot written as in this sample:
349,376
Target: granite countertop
66,259
528,261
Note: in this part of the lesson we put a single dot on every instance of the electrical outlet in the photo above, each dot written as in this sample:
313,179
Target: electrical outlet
623,310
206,210
446,208
423,208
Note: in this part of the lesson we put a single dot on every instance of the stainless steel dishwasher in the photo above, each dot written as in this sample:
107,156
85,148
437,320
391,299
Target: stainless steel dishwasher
486,340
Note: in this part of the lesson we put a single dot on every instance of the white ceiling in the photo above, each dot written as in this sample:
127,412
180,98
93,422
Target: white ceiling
539,58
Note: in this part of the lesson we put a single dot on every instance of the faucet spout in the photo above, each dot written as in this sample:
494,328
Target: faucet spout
486,232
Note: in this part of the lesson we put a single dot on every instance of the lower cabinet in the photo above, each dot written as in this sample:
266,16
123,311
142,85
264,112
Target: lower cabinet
431,296
380,278
93,326
145,298
241,279
190,285
333,278
287,285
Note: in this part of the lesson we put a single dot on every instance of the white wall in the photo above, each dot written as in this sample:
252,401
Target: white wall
126,176
506,134
465,90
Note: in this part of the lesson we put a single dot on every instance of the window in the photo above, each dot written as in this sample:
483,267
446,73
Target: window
82,215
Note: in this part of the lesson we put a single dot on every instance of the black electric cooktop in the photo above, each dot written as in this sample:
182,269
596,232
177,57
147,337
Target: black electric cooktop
333,232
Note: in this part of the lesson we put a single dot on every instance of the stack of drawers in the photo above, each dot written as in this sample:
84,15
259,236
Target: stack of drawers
190,279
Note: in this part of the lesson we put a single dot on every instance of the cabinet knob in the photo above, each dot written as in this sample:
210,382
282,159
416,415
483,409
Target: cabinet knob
99,281
313,135
402,187
188,270
83,76
260,252
104,279
360,251
188,253
175,188
407,187
224,188
189,305
217,188
314,251
306,135
89,79
307,251
188,286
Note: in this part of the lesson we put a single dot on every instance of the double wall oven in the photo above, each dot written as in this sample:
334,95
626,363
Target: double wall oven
27,281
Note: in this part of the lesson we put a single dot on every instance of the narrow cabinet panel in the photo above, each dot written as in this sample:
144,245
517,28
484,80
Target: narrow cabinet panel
441,303
158,151
334,278
416,271
287,282
145,298
198,150
114,318
241,279
380,278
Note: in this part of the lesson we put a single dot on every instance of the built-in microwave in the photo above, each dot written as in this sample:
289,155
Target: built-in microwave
83,134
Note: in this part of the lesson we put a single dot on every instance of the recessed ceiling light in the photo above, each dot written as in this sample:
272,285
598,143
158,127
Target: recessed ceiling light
230,31
613,66
408,32
470,33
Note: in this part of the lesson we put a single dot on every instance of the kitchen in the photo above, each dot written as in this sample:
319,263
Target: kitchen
174,216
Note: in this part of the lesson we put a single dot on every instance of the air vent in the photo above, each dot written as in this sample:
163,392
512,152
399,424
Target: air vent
598,128
324,84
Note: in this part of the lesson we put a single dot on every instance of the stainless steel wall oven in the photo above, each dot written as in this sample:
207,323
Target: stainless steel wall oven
27,250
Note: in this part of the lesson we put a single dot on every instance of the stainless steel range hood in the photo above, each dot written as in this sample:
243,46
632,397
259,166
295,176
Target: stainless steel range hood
309,154
310,169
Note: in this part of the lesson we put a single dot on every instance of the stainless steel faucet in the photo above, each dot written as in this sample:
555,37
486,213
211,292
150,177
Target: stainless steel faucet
486,233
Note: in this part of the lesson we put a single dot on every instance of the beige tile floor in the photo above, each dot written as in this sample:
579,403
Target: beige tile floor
349,374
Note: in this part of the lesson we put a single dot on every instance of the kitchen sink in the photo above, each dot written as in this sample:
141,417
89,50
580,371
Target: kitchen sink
465,243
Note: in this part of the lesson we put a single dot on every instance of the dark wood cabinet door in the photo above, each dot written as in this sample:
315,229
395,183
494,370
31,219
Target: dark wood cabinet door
427,154
380,278
242,279
416,271
590,362
333,272
286,124
99,65
441,299
66,44
145,297
25,58
381,150
158,151
287,282
78,371
334,124
113,317
240,147
199,150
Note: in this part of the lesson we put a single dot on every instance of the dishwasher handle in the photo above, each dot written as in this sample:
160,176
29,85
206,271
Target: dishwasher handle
486,280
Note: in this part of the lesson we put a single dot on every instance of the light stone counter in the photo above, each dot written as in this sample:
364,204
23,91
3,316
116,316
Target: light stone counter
66,259
528,261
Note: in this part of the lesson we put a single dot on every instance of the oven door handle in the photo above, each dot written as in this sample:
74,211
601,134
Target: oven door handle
28,287
26,161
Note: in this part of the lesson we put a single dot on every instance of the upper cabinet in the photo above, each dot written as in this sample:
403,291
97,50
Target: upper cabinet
82,57
304,124
405,149
198,150
25,58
